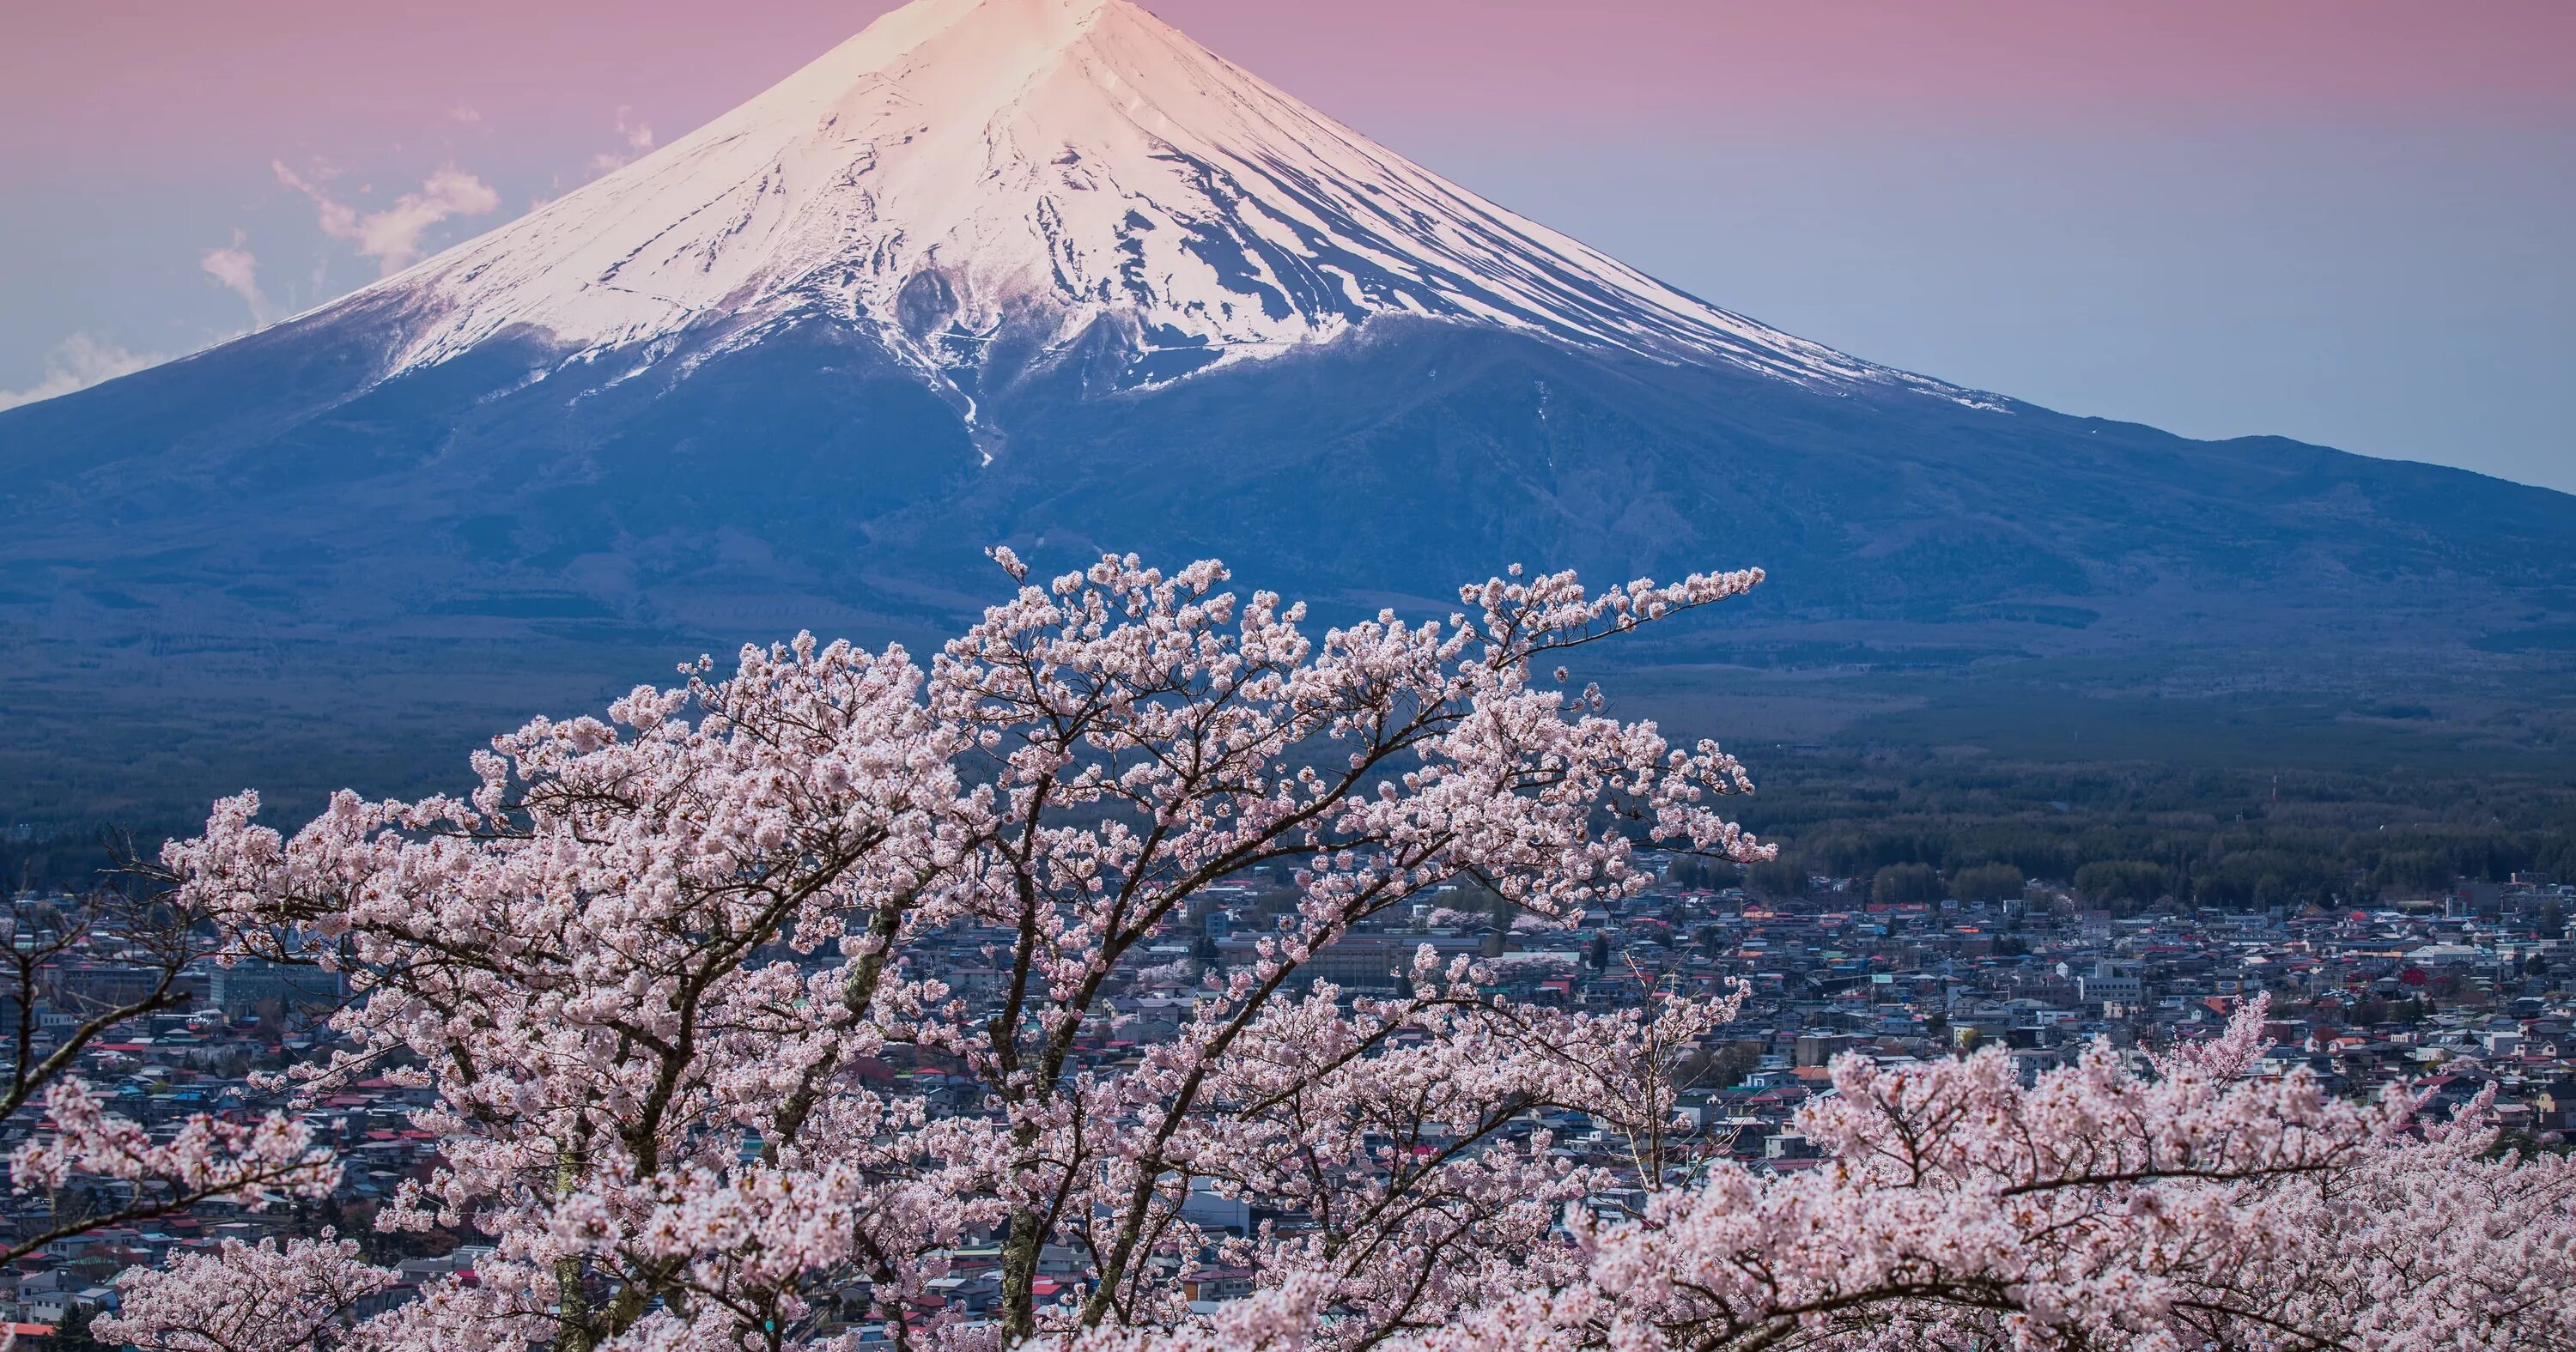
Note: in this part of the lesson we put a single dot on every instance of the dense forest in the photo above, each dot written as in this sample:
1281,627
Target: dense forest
1920,827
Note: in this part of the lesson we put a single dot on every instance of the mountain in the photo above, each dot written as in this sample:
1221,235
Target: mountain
1048,273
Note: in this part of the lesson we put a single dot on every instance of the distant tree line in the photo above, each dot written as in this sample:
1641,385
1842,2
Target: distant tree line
1918,828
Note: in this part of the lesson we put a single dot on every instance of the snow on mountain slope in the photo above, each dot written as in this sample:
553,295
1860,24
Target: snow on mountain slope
964,163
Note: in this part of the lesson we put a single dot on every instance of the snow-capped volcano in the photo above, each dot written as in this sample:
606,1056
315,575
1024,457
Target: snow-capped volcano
1045,273
964,165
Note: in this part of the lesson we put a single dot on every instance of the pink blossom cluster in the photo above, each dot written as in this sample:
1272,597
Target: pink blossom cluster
206,1159
300,1297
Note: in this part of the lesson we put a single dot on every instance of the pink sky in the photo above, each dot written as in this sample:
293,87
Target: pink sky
167,82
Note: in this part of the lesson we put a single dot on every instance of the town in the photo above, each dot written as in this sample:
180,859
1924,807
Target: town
2456,994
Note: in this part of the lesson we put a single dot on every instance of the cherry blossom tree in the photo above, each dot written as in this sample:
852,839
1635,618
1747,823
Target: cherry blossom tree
147,942
655,965
752,1002
2178,1206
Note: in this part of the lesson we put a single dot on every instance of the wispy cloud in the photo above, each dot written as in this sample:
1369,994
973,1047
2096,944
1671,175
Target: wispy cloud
638,140
78,363
237,270
392,237
465,115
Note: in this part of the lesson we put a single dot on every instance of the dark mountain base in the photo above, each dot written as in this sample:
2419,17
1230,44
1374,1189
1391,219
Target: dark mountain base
240,569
